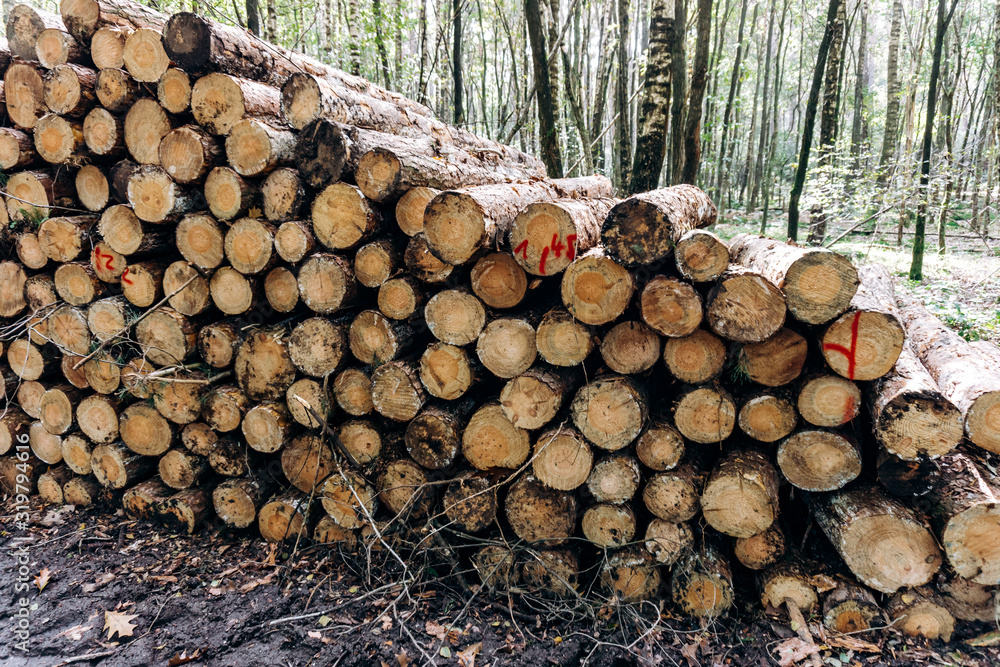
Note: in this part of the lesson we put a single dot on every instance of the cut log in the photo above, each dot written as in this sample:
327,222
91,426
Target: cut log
885,543
423,265
255,148
189,153
342,217
546,237
103,372
166,337
180,469
284,517
538,514
376,262
611,411
865,342
614,479
155,197
702,583
237,501
13,428
608,526
967,601
135,377
29,253
201,241
352,390
496,566
405,490
173,90
192,294
17,149
264,368
97,416
57,409
850,608
347,499
660,447
966,510
532,399
455,317
434,437
283,195
788,583
29,397
490,440
819,460
562,459
92,188
62,238
142,283
666,542
705,414
630,347
326,283
187,509
233,292
39,290
144,56
220,101
921,613
644,228
142,500
115,467
78,284
762,550
775,361
75,376
306,461
741,495
146,125
818,284
964,377
470,503
907,479
249,246
68,329
552,571
118,92
267,426
19,474
224,407
411,207
701,256
561,340
229,195
361,439
506,346
31,362
145,431
675,495
36,195
294,240
82,491
50,484
107,47
911,417
316,346
24,24
828,400
316,400
744,306
767,416
459,223
84,18
58,140
219,341
446,371
498,280
396,390
595,288
327,532
24,94
671,307
375,339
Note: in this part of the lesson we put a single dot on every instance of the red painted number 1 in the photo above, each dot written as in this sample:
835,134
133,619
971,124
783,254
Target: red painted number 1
555,247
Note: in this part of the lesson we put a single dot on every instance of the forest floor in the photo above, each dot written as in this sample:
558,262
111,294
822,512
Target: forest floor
221,598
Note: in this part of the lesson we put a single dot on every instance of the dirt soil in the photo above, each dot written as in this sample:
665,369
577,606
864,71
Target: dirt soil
217,598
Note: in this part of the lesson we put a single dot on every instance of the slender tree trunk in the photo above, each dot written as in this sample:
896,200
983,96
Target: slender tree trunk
253,17
728,113
354,35
651,138
779,66
943,19
765,110
809,121
859,88
272,21
713,86
831,84
424,55
573,98
699,78
623,132
746,172
679,84
383,54
456,62
892,94
548,133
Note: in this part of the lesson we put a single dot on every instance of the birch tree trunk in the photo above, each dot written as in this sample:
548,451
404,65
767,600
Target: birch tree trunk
651,139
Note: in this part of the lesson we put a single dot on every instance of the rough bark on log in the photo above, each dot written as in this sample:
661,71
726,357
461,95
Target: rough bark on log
907,479
283,194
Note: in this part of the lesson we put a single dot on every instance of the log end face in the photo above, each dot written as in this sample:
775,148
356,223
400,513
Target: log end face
301,100
378,174
455,227
187,40
889,551
819,286
982,421
636,233
971,544
863,345
914,426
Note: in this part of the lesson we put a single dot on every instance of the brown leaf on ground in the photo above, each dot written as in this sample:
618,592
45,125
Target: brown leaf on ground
987,639
105,578
793,651
76,632
403,659
119,624
467,657
436,630
184,657
851,642
42,580
690,653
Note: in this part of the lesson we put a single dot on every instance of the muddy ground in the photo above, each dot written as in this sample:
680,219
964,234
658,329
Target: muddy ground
218,598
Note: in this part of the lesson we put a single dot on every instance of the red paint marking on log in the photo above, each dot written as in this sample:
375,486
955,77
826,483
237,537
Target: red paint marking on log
541,263
108,259
848,410
571,247
125,278
522,248
850,352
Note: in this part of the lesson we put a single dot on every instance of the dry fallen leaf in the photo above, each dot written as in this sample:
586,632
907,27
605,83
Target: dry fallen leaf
42,580
436,630
403,659
117,623
184,657
75,633
101,580
690,653
467,657
853,643
793,651
987,639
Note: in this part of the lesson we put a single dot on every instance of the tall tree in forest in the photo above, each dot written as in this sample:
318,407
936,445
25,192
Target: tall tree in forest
943,19
354,35
831,86
272,21
605,62
456,61
699,77
679,85
728,113
779,71
383,54
765,112
892,94
623,130
651,137
858,127
253,17
549,137
809,121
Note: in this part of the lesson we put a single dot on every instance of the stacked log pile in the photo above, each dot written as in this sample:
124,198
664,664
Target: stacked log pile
242,286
